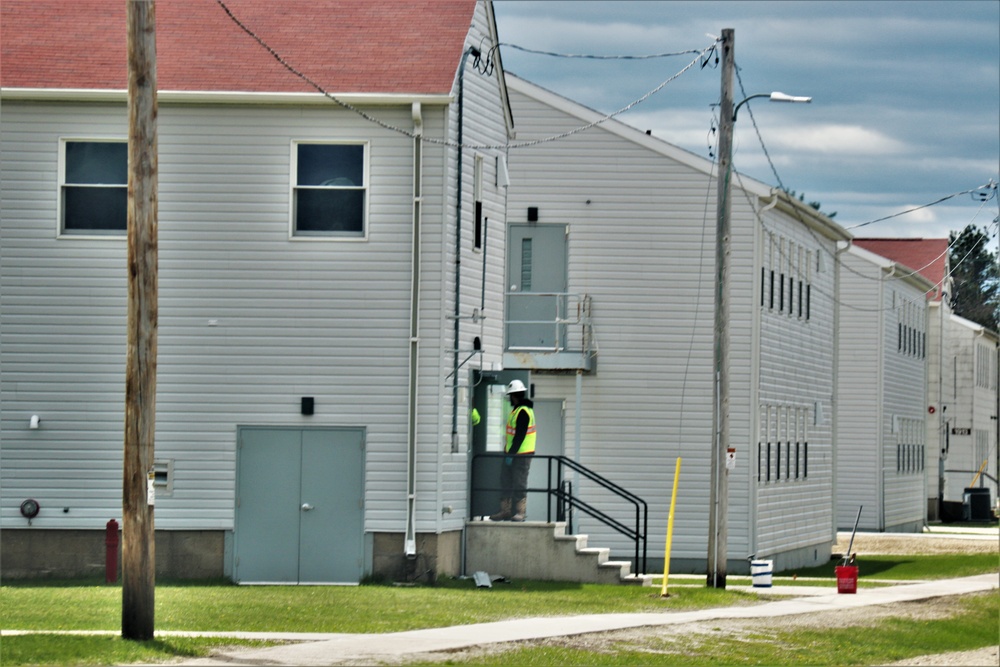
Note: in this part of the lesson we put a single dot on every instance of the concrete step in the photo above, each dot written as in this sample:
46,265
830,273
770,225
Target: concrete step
541,550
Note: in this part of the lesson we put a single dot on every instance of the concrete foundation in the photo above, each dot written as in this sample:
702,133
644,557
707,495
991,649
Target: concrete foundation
68,554
436,556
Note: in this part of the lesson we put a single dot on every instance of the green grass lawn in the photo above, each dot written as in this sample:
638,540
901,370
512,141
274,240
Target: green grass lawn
41,606
354,609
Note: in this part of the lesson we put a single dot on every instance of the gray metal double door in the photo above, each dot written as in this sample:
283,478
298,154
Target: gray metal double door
300,506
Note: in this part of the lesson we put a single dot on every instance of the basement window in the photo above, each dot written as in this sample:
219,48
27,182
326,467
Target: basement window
163,477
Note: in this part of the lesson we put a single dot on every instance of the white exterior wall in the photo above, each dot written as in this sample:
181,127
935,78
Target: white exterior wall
249,320
970,387
443,473
859,414
796,356
641,218
938,314
882,433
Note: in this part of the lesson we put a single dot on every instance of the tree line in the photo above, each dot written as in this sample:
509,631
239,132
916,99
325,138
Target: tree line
975,277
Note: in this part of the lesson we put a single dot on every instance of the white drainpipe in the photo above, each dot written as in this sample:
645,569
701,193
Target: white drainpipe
410,540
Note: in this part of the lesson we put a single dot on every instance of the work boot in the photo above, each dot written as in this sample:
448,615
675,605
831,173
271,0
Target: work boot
520,510
504,512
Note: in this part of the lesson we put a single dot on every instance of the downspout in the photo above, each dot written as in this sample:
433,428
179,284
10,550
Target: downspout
410,541
458,248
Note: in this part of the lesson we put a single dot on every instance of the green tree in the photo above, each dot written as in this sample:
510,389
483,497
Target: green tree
815,204
976,290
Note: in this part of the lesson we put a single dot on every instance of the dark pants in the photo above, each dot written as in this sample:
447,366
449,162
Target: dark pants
514,477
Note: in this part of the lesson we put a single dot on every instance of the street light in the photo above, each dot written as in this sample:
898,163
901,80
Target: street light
774,97
719,491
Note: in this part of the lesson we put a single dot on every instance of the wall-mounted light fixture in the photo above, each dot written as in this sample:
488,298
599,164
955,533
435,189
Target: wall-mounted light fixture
34,422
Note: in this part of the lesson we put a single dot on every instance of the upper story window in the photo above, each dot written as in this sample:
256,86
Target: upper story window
786,278
477,197
93,187
329,190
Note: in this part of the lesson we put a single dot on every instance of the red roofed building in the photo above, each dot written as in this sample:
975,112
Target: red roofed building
329,174
928,257
399,48
962,378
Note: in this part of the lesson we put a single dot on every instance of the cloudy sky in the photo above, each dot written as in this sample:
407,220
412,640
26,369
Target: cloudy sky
906,95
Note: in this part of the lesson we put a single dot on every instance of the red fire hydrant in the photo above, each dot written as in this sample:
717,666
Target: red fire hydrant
111,555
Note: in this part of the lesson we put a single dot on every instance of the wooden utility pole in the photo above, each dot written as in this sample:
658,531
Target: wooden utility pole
138,537
719,492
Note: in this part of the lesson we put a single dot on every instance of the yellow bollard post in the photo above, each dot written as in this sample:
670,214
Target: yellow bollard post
670,529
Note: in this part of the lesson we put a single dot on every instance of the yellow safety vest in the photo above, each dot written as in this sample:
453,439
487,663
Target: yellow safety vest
528,446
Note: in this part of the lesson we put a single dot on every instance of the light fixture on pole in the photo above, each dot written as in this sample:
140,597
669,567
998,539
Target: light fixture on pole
719,490
774,97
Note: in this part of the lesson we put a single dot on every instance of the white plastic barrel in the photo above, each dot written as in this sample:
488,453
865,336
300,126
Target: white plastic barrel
760,573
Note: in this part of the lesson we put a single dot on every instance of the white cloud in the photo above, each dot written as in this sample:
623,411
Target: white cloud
835,139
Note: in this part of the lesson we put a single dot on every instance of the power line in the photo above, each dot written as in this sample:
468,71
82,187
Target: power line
988,186
599,57
484,67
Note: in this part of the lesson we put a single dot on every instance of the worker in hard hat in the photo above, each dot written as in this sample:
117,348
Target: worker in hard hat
518,451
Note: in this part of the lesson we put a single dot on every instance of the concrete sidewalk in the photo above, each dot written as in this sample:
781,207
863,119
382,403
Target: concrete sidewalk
350,649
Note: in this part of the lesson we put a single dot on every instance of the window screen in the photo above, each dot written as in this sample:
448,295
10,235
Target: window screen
330,192
94,190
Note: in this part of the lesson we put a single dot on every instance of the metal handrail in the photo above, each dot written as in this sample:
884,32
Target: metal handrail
562,302
566,500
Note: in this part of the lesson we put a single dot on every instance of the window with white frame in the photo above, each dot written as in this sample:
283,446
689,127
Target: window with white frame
786,278
783,444
93,187
329,189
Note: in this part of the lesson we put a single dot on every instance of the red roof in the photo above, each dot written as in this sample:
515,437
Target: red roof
404,47
929,257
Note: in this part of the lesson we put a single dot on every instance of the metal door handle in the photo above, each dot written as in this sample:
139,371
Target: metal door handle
306,507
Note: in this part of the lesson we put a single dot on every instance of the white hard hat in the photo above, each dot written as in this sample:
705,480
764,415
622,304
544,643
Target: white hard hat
515,386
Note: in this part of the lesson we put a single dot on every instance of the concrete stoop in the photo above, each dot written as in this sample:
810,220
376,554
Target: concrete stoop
542,551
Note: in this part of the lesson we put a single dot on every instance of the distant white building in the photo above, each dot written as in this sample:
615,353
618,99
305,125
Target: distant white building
969,400
962,370
882,387
611,259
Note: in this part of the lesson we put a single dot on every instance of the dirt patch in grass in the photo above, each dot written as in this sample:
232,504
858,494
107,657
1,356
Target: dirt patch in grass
914,545
659,639
686,638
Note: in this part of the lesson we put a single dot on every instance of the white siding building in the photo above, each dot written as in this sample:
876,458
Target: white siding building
321,278
969,392
631,384
882,389
962,372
